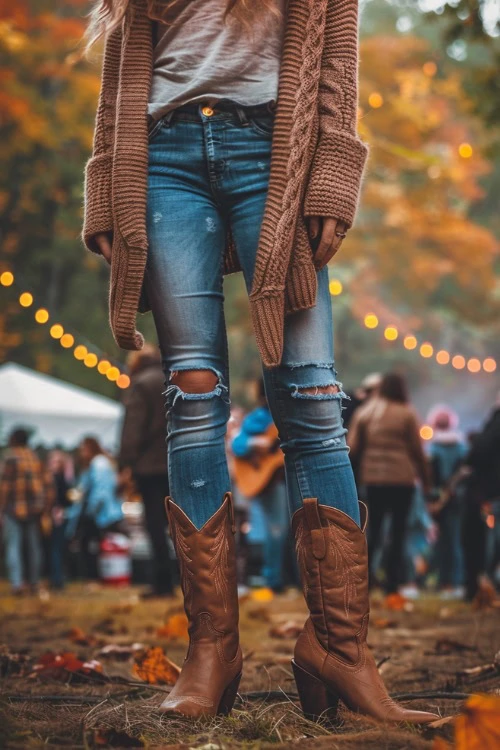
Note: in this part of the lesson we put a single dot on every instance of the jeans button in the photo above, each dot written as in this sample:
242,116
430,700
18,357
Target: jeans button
207,111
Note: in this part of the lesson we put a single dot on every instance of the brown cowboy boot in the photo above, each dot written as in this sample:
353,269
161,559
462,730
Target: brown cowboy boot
332,659
211,673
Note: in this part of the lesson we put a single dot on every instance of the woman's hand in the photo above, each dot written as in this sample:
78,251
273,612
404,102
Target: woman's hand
330,232
104,242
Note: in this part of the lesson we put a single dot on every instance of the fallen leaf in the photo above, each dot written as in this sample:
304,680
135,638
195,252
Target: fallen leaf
262,595
66,667
155,667
175,627
78,636
289,629
120,653
441,722
395,601
477,727
113,738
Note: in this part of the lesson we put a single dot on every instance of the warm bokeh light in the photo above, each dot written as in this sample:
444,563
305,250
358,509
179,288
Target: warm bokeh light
113,373
426,350
42,315
473,365
67,341
429,68
465,150
375,100
391,333
123,381
410,342
335,287
426,432
6,278
80,352
458,362
90,360
26,299
442,357
56,331
371,320
489,365
103,366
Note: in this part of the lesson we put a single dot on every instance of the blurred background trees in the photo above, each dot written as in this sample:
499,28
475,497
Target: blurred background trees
423,257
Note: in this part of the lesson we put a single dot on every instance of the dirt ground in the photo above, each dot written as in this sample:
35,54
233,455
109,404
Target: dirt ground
442,651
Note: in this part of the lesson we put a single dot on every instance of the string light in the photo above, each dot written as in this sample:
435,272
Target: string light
42,315
67,340
391,333
6,278
458,362
442,357
113,373
410,342
426,350
473,365
465,150
56,331
335,287
426,432
375,100
80,352
25,299
489,365
371,320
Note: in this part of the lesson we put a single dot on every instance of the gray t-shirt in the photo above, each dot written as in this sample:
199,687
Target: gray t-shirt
200,57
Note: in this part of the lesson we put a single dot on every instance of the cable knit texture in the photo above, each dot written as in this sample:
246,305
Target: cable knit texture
316,165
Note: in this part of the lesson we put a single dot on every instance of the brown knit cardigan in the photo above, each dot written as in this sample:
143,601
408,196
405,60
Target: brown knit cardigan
316,164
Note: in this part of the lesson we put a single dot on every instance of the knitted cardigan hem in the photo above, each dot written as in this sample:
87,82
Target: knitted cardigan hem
335,181
98,209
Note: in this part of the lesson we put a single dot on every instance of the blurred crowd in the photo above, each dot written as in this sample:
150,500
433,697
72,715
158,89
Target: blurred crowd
434,504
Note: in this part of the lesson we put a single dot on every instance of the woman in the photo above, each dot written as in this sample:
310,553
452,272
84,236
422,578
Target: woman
250,161
385,443
60,468
100,508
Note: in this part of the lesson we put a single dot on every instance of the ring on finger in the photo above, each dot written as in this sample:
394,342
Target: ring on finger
341,234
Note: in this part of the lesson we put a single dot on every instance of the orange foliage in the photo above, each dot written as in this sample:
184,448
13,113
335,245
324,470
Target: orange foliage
175,627
156,668
478,726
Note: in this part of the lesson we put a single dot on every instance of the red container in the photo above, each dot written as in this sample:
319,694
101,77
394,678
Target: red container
114,562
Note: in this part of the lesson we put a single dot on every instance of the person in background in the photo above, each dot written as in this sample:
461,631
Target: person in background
368,387
61,471
446,452
483,497
384,438
143,455
26,493
99,508
255,448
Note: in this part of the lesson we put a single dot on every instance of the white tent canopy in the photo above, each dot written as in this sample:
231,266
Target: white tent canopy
56,412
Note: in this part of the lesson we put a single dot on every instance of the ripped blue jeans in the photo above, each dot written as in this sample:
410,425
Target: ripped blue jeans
208,172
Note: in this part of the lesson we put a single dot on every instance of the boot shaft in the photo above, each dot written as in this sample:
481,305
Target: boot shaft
332,556
207,562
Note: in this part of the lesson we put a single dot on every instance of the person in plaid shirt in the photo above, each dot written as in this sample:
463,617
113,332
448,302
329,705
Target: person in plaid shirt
26,492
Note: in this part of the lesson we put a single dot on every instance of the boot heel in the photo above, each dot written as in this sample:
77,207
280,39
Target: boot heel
229,696
318,703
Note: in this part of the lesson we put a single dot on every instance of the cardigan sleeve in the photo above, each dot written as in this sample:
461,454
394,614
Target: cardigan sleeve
98,214
340,156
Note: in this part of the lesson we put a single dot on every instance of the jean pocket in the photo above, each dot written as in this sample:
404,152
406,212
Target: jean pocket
262,125
154,128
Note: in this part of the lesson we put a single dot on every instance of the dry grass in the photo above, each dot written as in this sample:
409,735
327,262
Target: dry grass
47,714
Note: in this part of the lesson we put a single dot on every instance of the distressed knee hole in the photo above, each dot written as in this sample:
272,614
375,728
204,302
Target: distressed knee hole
318,390
194,381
